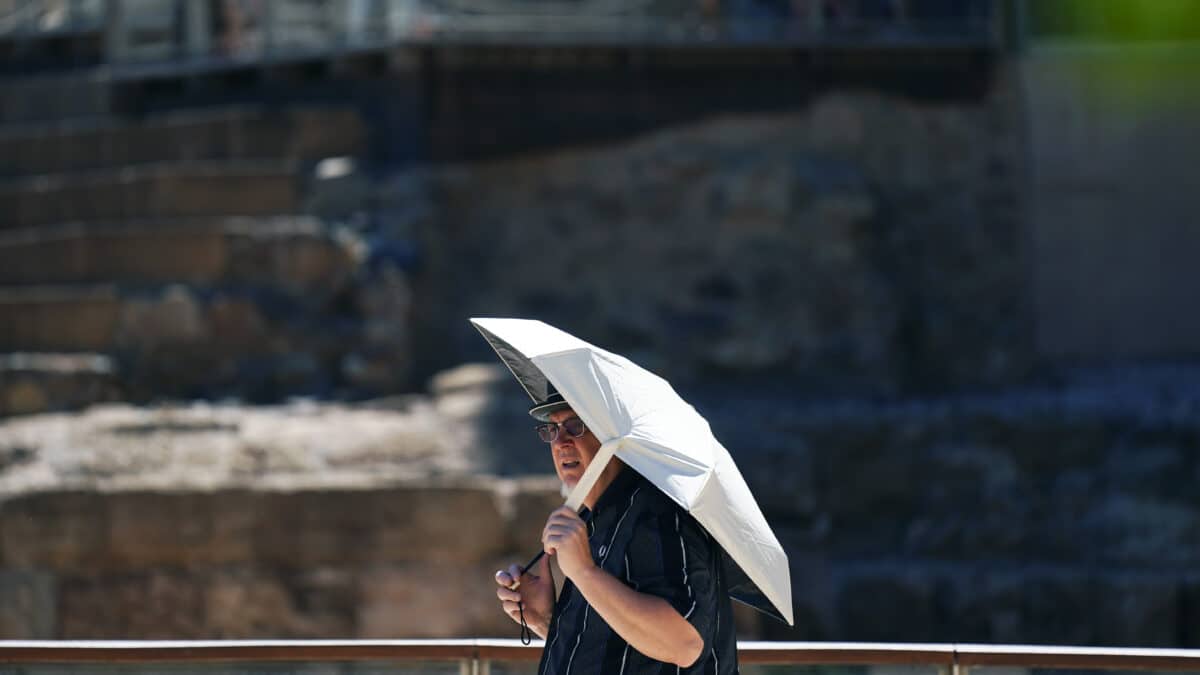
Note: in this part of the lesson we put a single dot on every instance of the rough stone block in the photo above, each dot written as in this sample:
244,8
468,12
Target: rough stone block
426,524
52,320
54,531
173,318
1138,610
107,254
247,602
728,220
1189,617
215,192
327,132
29,610
423,600
157,191
887,606
194,254
224,134
157,530
33,383
298,258
1061,607
138,604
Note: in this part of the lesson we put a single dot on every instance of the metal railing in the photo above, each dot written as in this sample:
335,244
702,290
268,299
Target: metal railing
42,17
476,657
146,31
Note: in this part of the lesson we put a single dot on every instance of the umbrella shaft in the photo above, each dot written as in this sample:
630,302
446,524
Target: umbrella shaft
533,562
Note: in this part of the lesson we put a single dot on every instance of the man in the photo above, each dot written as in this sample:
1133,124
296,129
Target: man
644,589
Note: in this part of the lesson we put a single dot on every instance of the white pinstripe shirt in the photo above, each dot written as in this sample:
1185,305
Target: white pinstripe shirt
643,538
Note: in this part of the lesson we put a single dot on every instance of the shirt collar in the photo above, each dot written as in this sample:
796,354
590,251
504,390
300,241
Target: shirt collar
617,491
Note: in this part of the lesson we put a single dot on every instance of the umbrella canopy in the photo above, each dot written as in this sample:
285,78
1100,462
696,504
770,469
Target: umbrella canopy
638,417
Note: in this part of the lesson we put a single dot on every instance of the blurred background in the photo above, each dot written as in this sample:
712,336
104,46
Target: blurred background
927,266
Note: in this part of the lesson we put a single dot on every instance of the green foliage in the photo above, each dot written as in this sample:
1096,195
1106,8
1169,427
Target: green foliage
1117,20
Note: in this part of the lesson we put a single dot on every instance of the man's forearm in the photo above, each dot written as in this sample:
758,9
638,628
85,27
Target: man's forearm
647,622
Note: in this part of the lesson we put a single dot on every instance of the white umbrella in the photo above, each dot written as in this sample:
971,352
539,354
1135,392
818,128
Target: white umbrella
638,417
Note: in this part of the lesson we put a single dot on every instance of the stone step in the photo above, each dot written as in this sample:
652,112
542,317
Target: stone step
85,94
238,133
47,319
42,382
293,254
164,190
52,50
240,284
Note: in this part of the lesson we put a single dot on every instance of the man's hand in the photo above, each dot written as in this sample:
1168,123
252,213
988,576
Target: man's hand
566,538
535,591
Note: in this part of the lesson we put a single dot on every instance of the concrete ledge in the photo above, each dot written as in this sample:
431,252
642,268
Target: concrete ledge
152,191
59,319
224,134
412,560
195,250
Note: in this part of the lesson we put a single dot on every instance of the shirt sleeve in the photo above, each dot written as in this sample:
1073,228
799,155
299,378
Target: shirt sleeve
671,556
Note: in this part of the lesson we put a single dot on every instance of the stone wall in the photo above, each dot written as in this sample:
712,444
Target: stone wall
1049,515
216,522
186,255
815,281
253,308
862,243
1113,136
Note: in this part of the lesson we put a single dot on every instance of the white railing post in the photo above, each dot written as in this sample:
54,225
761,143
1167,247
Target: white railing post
116,32
197,29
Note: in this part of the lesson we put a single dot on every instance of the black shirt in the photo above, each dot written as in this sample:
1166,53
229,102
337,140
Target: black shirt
641,537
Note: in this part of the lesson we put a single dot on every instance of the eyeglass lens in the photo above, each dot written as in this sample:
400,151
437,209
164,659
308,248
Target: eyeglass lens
549,432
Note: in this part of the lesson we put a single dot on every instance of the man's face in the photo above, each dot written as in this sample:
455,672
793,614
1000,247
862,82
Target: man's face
572,455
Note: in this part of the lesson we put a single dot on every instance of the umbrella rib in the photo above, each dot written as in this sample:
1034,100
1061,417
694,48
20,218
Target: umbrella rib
504,361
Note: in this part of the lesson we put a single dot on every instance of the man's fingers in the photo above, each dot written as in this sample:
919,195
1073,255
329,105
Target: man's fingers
503,578
562,529
566,512
565,516
555,529
507,595
553,539
513,610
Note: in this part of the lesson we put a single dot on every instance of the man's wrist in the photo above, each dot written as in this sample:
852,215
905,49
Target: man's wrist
585,578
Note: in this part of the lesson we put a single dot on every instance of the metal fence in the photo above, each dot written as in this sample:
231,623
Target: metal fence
479,657
167,30
40,17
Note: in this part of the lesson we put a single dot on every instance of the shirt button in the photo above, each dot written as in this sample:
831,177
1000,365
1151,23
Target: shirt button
603,549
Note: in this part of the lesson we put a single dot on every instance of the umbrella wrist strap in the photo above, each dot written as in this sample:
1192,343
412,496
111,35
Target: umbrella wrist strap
526,633
575,500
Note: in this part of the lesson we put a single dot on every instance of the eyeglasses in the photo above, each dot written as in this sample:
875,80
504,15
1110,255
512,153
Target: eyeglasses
548,432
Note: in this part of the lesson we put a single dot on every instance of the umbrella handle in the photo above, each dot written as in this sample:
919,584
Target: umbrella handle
526,634
585,513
